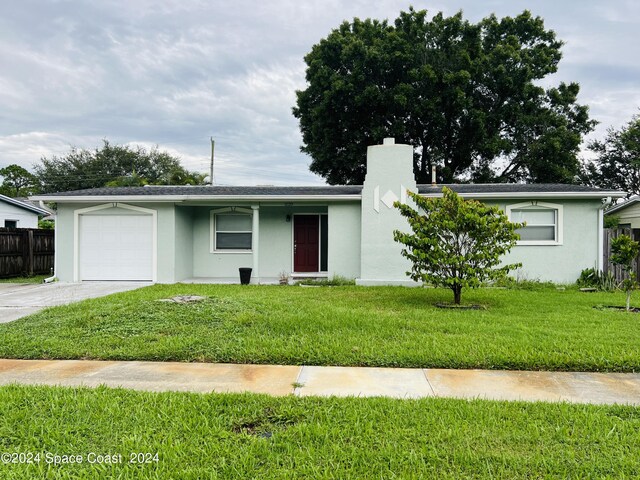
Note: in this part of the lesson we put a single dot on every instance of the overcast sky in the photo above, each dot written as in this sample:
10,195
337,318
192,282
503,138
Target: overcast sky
173,73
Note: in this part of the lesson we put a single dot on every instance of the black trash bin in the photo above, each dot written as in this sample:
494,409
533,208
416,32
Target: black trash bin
245,276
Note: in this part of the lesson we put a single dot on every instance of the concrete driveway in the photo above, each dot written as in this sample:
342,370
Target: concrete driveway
21,299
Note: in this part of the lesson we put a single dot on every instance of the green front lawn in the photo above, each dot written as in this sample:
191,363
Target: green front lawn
542,329
253,436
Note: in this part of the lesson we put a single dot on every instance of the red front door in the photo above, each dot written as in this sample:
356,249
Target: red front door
306,235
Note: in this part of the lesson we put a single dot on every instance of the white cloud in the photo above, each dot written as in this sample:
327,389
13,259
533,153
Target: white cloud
174,73
26,149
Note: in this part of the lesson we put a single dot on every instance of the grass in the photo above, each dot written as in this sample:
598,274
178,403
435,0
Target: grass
254,436
539,329
31,279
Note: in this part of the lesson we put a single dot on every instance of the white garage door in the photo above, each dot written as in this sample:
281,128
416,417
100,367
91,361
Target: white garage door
116,247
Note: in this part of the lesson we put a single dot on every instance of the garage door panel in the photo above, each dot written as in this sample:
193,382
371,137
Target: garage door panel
116,247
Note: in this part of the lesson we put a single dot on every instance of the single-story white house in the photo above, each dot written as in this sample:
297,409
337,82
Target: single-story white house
627,212
171,234
16,213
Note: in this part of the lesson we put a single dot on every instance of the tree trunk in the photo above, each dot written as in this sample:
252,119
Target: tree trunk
457,291
628,299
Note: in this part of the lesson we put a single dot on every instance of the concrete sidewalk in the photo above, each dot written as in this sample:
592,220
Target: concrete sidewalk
597,388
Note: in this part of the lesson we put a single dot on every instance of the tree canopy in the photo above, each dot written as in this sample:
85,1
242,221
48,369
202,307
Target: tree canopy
617,162
455,243
466,95
112,165
17,181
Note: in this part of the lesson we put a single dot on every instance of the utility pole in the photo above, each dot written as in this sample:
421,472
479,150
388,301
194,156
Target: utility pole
213,143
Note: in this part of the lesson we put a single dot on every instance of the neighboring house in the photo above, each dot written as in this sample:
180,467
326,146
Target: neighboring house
205,233
15,213
51,214
628,212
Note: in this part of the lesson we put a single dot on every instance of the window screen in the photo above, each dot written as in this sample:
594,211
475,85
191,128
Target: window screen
541,224
233,231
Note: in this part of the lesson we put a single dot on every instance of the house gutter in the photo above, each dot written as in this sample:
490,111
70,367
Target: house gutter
55,253
600,260
533,195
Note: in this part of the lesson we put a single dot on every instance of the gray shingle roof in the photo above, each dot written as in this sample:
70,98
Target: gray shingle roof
331,190
214,191
471,188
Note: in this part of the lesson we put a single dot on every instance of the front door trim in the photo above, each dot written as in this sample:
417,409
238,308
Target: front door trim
320,272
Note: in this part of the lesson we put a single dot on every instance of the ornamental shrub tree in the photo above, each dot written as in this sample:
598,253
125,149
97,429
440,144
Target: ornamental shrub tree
624,250
456,243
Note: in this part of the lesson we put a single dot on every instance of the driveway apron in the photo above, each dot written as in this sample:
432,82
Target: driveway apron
18,300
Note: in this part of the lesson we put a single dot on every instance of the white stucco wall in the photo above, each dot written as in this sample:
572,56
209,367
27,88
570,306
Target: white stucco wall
389,175
275,243
213,265
344,225
561,263
183,243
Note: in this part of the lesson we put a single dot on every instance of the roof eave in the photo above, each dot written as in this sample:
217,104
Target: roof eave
25,206
183,198
290,198
535,195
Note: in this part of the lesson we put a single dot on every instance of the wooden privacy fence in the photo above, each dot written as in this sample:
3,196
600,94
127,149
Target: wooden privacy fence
26,251
610,234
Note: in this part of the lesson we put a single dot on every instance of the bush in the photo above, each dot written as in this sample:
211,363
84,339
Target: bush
592,278
523,284
46,224
611,221
335,281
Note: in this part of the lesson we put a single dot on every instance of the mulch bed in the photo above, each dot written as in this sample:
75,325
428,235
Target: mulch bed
453,306
618,308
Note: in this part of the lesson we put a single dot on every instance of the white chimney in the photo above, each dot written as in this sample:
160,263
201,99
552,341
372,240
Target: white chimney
389,176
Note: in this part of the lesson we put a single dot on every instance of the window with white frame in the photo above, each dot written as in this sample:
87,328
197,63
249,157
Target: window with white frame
543,222
231,230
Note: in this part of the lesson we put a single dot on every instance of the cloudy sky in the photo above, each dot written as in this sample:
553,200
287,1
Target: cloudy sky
173,73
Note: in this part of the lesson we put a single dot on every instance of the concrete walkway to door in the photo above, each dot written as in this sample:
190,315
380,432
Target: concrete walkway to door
21,299
596,388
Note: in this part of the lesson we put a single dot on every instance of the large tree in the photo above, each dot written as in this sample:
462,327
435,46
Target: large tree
113,165
466,95
617,161
17,181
